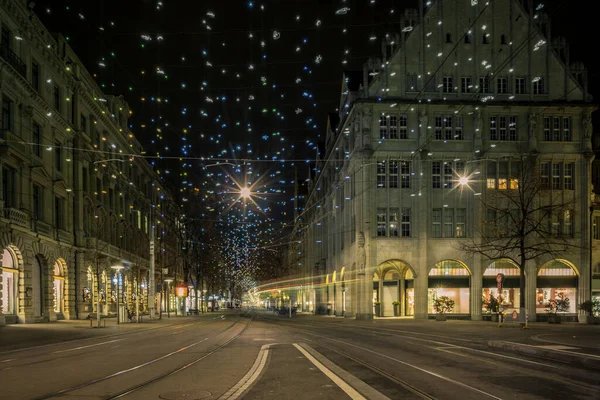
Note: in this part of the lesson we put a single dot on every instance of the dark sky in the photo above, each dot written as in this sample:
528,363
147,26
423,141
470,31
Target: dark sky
301,82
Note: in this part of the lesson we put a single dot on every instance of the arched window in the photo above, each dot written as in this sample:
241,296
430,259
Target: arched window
10,276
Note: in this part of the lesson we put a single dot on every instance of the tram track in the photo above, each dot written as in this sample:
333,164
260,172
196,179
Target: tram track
162,376
488,357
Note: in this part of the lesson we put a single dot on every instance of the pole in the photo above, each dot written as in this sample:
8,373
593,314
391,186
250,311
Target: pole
168,297
290,306
118,295
152,287
137,297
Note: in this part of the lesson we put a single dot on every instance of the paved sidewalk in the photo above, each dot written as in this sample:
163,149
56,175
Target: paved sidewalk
19,336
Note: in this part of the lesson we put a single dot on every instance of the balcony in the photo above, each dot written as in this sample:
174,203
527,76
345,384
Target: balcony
16,217
42,228
10,57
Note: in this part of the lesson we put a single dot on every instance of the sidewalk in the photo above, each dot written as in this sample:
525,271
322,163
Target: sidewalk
569,342
19,336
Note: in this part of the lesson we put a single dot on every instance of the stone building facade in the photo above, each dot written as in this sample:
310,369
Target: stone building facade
427,134
77,197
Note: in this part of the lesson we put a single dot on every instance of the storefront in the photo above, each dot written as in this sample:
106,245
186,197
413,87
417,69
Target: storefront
450,278
554,279
510,295
10,278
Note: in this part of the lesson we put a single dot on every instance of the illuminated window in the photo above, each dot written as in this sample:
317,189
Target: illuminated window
393,219
491,183
514,183
502,184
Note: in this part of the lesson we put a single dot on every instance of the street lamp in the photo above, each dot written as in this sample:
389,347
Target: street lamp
245,192
168,280
118,269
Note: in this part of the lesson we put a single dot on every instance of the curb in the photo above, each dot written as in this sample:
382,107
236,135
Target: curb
557,355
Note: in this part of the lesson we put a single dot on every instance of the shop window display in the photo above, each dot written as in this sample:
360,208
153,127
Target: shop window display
450,278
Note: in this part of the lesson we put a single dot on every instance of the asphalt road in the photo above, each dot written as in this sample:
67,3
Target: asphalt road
265,356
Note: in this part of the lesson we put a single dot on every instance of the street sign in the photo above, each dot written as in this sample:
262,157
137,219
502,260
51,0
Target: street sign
515,316
500,280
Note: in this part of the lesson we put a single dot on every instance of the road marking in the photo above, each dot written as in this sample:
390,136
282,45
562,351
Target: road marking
85,347
354,395
557,347
251,376
263,339
10,359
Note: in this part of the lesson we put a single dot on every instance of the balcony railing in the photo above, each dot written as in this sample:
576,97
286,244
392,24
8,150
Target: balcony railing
10,57
16,217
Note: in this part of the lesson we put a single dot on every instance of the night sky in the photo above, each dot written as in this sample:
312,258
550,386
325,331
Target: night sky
198,58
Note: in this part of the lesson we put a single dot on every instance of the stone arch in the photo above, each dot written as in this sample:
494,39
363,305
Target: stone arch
450,278
393,281
60,275
11,276
556,278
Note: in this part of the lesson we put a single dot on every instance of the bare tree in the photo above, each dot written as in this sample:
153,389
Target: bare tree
524,219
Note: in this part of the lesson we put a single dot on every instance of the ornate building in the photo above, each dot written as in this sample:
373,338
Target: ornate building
469,97
73,200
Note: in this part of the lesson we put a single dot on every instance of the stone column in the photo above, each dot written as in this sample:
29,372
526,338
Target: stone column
421,286
402,297
476,289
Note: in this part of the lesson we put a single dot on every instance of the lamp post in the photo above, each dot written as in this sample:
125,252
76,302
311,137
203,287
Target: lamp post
118,269
168,280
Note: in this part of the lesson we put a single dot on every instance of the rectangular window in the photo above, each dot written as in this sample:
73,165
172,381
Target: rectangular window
502,128
448,128
447,84
491,183
493,128
502,183
547,129
383,132
403,126
83,123
502,85
393,127
37,202
568,223
406,222
436,219
35,76
56,97
512,128
381,181
568,172
458,127
465,84
545,175
556,176
9,187
393,173
381,222
520,86
556,129
448,222
484,84
566,127
7,106
448,176
461,222
59,215
405,174
436,174
538,86
439,126
37,139
58,156
393,219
